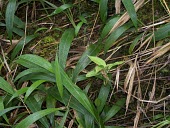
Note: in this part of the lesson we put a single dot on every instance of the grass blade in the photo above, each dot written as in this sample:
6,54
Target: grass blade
162,32
9,17
4,85
103,9
92,50
20,45
32,88
18,93
34,117
56,68
131,11
114,109
64,46
102,97
35,106
36,61
115,35
2,112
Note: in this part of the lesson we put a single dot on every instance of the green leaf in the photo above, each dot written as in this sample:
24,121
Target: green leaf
6,86
61,9
64,119
20,45
109,66
92,50
92,73
103,9
56,68
2,108
115,35
114,109
35,106
131,11
29,71
109,26
98,61
102,97
162,32
134,43
18,93
77,28
2,112
34,117
36,60
32,88
19,22
64,46
9,17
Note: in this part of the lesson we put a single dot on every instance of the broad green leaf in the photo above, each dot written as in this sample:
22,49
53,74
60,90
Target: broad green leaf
92,50
162,32
32,88
77,28
109,66
61,9
115,35
21,44
4,85
102,97
131,11
103,9
64,46
114,109
35,106
134,43
2,112
109,26
92,73
98,61
9,17
36,60
95,71
25,123
56,68
18,93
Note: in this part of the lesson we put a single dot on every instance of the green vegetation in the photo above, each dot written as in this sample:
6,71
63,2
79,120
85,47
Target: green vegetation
85,64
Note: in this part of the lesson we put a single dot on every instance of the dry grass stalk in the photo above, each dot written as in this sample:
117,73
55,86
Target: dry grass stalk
164,49
117,6
129,81
117,78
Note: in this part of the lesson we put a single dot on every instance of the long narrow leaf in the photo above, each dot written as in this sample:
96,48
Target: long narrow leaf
56,68
32,88
64,46
103,9
9,17
4,85
20,45
34,117
131,11
92,50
